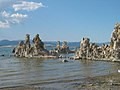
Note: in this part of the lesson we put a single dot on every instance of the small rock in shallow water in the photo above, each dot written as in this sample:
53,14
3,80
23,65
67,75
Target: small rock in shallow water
2,55
64,60
118,71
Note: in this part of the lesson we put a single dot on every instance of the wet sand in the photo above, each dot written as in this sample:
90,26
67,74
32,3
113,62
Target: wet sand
106,82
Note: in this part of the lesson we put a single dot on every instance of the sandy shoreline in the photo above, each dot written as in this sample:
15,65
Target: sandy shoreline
106,82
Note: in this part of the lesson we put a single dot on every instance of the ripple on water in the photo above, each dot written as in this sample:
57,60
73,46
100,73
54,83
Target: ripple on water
17,72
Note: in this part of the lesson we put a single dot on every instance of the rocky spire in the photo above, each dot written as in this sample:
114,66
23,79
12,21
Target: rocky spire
25,49
38,42
115,38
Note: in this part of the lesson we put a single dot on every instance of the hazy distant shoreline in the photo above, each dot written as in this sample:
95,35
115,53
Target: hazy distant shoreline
15,42
8,46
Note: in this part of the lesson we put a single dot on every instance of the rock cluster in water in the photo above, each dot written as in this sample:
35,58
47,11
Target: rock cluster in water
64,49
35,50
87,49
92,51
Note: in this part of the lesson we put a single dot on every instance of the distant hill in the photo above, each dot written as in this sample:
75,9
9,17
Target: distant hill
106,43
47,43
7,42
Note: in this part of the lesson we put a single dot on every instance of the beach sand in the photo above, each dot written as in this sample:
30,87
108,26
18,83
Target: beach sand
106,82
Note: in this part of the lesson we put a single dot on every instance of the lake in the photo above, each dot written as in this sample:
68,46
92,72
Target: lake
48,74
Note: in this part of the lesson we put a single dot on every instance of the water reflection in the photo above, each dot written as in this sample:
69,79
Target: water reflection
31,64
87,69
95,68
21,71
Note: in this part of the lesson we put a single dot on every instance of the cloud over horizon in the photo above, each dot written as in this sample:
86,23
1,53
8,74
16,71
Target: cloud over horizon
15,17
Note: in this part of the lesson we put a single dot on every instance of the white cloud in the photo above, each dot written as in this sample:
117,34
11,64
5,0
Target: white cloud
17,15
4,24
14,6
17,18
10,19
28,6
5,14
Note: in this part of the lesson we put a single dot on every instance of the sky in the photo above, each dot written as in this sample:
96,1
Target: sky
63,20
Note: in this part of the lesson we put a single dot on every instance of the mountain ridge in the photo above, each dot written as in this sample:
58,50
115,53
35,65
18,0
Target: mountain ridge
6,42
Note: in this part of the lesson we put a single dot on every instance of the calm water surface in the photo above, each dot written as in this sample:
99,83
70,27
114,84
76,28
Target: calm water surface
48,73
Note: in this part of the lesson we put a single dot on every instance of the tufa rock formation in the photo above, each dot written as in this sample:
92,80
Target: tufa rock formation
64,49
92,51
35,50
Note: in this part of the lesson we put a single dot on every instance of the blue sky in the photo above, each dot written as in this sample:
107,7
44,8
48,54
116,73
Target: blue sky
55,20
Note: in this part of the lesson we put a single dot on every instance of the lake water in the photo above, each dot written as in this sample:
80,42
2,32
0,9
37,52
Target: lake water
48,73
